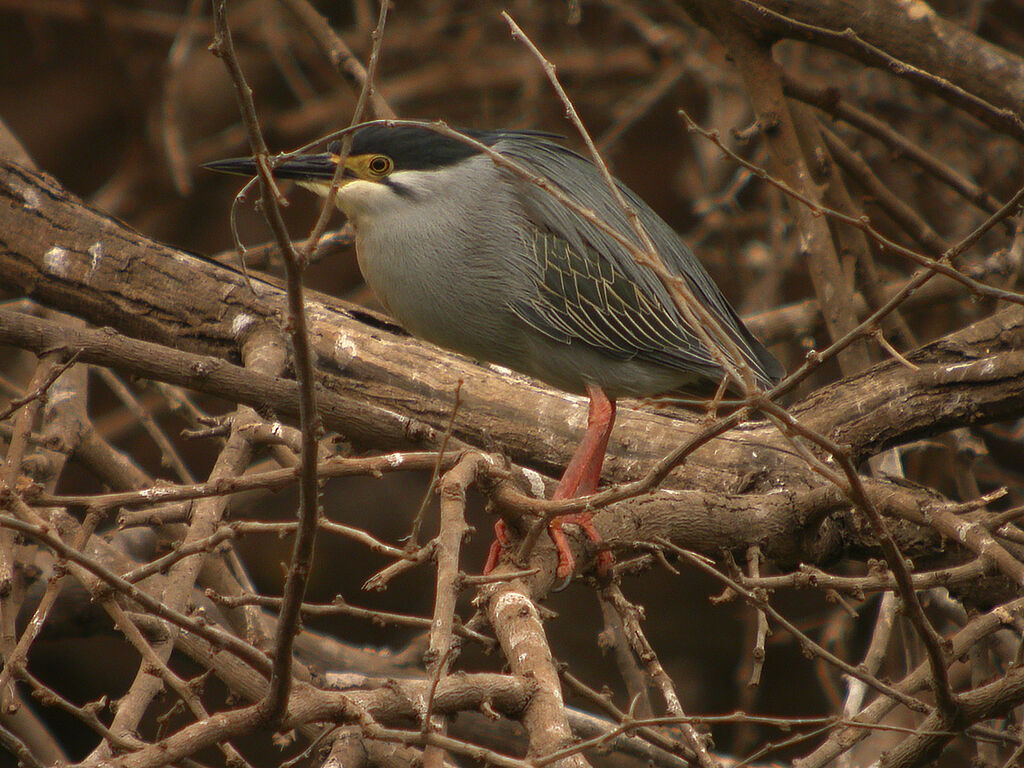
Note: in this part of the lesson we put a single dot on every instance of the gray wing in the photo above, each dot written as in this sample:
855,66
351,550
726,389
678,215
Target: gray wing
580,296
589,288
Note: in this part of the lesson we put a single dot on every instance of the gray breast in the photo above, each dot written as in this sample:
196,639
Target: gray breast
439,261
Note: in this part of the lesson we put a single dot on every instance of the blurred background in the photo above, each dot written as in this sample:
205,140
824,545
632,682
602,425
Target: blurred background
122,102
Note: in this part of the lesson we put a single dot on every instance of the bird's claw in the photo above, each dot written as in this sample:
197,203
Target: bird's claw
562,584
566,560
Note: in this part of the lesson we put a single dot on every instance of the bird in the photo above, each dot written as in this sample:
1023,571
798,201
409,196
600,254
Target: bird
471,256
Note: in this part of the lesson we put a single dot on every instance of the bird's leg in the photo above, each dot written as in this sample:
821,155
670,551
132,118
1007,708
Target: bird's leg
583,473
501,541
581,477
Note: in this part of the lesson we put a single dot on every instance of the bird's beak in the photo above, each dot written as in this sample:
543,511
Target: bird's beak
302,168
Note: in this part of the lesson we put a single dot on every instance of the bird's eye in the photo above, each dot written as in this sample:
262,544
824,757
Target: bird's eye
380,165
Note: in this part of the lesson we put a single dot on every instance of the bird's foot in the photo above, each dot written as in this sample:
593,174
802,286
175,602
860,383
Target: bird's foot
566,560
605,560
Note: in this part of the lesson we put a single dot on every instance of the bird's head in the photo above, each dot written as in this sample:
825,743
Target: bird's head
384,161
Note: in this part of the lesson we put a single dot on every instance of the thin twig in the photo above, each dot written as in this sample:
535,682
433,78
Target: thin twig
645,652
365,91
708,328
754,600
276,700
435,473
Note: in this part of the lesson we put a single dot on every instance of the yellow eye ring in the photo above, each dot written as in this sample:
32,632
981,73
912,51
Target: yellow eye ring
380,165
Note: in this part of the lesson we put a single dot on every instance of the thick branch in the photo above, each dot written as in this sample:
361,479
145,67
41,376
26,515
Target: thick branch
911,41
383,388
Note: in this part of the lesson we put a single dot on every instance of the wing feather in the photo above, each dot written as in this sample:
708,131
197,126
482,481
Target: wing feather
585,286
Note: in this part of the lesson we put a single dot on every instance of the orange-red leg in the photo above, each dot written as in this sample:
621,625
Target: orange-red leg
501,539
581,477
